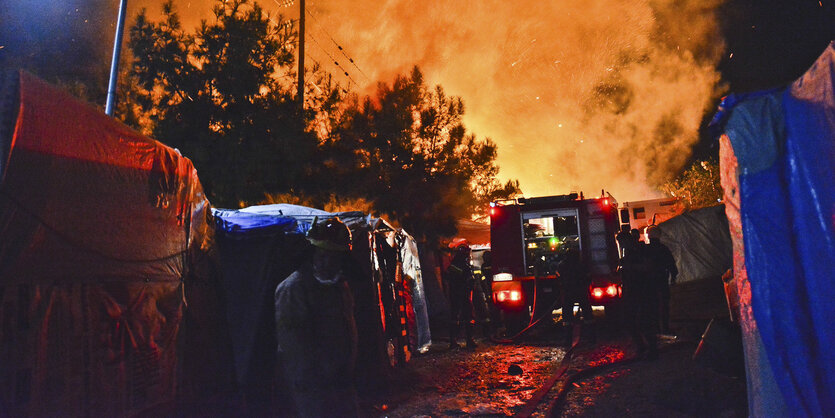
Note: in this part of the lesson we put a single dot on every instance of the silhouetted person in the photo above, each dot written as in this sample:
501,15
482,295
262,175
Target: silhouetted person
663,273
575,286
483,287
460,280
640,297
623,238
315,327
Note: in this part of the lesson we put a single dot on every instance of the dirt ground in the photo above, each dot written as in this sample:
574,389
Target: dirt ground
600,379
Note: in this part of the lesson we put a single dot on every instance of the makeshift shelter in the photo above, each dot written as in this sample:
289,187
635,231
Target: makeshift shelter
701,245
254,253
777,155
259,248
103,245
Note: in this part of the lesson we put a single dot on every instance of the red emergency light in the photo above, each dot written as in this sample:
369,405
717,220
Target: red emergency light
611,290
508,296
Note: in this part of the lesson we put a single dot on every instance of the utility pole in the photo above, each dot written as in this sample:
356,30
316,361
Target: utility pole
114,65
300,94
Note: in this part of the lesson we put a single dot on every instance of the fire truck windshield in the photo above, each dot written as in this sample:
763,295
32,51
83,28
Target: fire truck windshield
547,238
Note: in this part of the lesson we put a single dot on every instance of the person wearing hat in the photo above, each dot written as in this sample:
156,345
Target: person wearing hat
460,280
315,327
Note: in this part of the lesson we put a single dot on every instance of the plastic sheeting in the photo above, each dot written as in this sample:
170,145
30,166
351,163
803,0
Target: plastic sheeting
255,256
764,398
101,230
700,243
412,270
785,146
305,215
255,252
237,224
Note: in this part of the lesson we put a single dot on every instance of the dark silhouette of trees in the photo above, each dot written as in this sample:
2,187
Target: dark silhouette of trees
223,97
407,151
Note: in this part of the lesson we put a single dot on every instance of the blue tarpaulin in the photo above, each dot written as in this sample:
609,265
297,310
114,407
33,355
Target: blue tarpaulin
237,224
784,142
255,252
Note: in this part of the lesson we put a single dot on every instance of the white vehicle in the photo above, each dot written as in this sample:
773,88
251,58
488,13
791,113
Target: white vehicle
639,214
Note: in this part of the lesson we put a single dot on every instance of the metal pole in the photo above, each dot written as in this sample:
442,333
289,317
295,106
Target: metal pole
300,94
114,65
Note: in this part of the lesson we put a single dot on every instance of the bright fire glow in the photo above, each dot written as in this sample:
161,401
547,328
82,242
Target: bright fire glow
563,85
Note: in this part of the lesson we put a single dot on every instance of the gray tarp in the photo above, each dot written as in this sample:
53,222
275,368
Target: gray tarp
700,243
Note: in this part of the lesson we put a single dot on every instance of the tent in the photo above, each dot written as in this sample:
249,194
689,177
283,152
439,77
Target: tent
254,253
261,245
700,243
382,238
777,153
103,245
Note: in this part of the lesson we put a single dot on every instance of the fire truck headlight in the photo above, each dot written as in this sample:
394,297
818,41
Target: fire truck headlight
515,296
502,277
612,290
597,293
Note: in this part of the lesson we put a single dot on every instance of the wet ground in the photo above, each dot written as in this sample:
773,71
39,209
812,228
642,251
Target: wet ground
601,377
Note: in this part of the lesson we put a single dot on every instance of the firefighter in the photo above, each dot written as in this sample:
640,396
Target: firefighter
663,273
460,281
315,326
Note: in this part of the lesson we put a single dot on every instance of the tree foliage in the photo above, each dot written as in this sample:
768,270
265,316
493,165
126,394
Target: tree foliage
698,186
409,153
224,97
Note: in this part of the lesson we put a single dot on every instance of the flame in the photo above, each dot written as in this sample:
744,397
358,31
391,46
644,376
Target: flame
598,94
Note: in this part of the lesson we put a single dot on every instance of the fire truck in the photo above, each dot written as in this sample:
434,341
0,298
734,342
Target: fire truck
529,237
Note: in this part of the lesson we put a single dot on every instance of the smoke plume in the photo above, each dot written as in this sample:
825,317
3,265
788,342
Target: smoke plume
578,95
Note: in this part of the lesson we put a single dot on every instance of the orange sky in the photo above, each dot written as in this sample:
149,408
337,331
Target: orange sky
578,94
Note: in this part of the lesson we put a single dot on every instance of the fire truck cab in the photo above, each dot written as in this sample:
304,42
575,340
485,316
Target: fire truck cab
529,237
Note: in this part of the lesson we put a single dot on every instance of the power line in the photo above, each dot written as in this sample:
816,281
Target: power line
338,46
334,60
